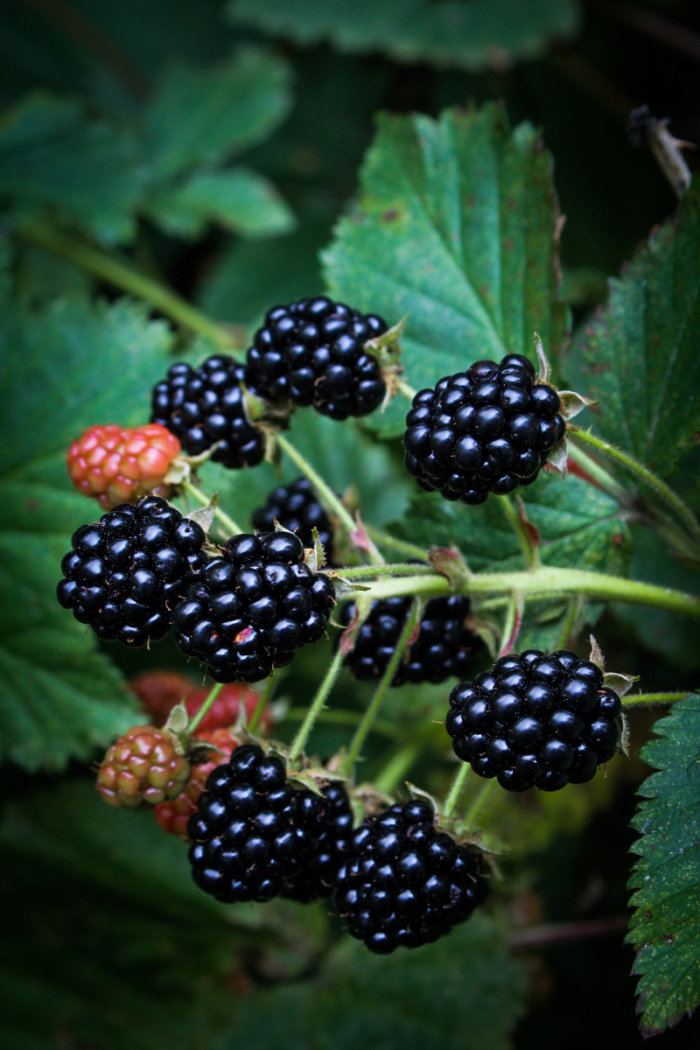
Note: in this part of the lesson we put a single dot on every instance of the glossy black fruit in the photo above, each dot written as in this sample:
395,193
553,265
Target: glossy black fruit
296,507
317,875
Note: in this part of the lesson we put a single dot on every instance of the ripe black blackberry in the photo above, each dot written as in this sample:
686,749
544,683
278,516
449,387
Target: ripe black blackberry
488,429
316,876
252,607
444,647
204,405
252,828
535,721
296,507
125,573
404,883
312,353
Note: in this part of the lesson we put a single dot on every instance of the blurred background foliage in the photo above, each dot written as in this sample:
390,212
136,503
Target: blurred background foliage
217,145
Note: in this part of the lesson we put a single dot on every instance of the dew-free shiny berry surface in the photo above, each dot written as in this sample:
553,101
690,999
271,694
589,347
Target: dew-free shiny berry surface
203,406
173,814
443,648
252,828
317,875
404,883
489,429
253,607
125,573
312,352
535,720
296,507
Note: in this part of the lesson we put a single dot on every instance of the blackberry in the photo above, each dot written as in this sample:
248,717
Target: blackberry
125,573
296,507
312,353
203,406
535,721
444,647
252,828
488,429
252,607
316,877
404,883
173,814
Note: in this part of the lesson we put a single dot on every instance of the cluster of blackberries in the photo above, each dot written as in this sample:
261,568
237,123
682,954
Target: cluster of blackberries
252,607
488,429
312,352
403,883
296,507
535,721
126,572
444,646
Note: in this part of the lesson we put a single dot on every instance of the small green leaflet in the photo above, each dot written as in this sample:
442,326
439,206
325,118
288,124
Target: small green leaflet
477,35
665,926
639,355
456,228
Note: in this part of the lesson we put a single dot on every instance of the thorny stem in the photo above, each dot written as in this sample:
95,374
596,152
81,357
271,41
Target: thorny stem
325,493
317,705
480,800
196,720
633,466
396,768
652,699
362,572
229,524
380,692
262,703
456,790
530,553
121,275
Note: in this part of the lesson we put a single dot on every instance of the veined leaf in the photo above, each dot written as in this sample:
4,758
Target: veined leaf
456,227
665,926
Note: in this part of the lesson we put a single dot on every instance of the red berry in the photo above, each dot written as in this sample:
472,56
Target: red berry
142,767
173,814
159,691
120,464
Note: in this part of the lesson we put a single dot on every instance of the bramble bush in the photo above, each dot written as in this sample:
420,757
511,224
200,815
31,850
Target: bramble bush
375,515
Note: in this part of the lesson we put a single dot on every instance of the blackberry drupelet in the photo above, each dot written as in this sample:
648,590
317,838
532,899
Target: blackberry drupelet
312,353
252,607
296,507
203,406
316,877
444,647
252,828
488,429
125,573
535,721
173,814
404,883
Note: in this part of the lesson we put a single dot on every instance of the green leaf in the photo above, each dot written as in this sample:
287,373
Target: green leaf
240,200
203,115
473,36
665,926
456,227
639,354
87,171
386,1003
61,371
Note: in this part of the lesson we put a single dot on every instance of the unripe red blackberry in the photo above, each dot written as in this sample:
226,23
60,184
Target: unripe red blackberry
173,814
488,429
312,353
317,874
125,573
296,507
253,607
205,405
119,464
142,767
535,720
252,828
404,883
444,646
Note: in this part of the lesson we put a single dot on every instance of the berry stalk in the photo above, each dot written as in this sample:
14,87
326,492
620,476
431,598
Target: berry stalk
651,699
221,516
196,720
456,790
530,552
479,802
317,706
262,703
385,539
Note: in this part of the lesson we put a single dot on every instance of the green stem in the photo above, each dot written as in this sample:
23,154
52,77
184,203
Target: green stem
317,705
406,389
478,803
121,275
456,790
385,539
599,474
229,524
572,614
396,768
327,496
511,624
380,692
362,572
633,466
530,552
652,699
262,703
345,718
204,709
